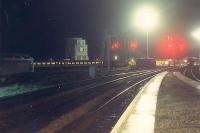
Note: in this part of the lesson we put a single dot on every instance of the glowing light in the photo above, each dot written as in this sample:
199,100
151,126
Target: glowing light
115,57
185,61
115,45
166,62
133,44
146,18
172,46
196,34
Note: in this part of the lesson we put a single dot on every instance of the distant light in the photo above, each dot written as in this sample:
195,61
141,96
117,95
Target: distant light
185,61
146,18
196,34
166,62
115,45
115,57
170,45
133,44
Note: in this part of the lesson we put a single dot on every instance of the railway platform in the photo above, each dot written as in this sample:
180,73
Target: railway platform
169,103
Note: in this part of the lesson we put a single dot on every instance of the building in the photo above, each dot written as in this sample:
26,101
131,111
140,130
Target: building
76,49
14,64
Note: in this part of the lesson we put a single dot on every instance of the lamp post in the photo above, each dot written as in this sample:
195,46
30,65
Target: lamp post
146,19
147,39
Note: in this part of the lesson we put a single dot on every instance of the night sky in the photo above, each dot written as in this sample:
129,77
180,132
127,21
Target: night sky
39,27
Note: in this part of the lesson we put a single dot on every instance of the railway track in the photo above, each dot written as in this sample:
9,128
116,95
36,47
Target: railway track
191,74
66,86
46,108
103,117
194,76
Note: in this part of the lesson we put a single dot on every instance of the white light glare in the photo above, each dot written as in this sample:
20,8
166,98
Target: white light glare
146,18
116,57
196,34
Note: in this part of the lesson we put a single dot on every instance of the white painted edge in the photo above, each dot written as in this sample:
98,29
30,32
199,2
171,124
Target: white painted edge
122,120
186,80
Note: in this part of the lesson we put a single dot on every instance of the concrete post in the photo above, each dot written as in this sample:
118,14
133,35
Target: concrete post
92,71
108,42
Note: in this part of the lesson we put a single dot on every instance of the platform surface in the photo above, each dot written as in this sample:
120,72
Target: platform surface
167,104
178,106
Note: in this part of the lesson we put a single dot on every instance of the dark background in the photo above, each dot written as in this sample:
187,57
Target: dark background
39,27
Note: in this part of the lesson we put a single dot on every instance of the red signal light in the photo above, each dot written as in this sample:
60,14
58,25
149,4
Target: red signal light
181,47
133,44
115,45
172,46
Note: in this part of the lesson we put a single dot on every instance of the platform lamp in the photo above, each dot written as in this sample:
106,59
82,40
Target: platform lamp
146,18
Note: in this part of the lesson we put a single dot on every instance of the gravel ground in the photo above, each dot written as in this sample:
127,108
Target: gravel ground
178,107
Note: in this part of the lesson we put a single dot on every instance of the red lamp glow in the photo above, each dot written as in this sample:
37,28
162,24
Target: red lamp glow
115,45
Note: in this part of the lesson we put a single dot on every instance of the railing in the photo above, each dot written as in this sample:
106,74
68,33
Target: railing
66,63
